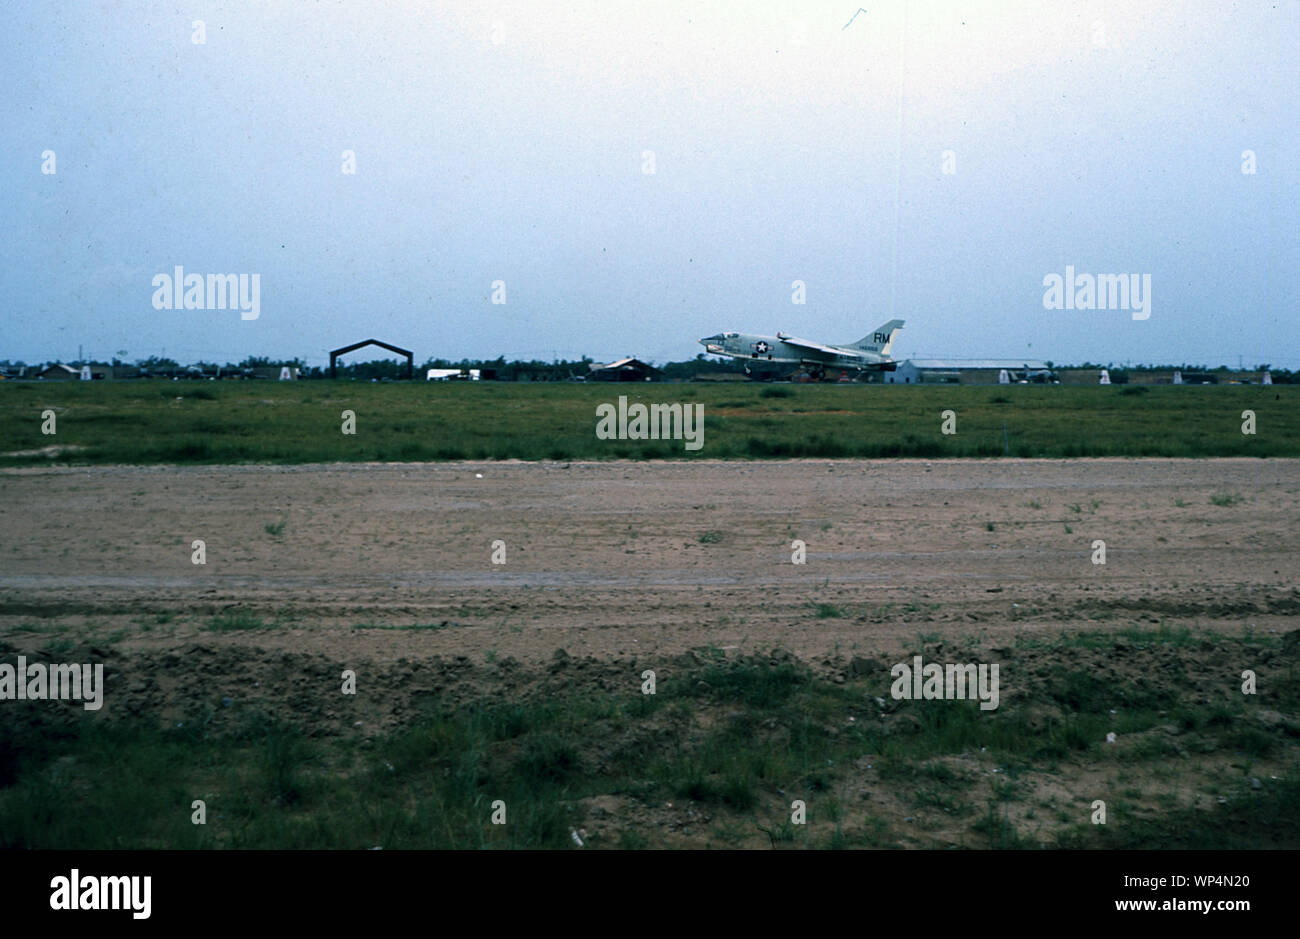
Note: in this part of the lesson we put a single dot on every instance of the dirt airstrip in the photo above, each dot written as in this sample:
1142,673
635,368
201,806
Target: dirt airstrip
609,559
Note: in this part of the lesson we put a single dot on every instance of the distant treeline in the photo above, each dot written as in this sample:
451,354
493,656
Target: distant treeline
516,369
377,369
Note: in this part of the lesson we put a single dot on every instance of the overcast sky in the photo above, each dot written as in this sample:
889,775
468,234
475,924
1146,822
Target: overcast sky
640,176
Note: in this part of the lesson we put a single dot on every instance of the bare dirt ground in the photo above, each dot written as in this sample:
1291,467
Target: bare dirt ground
651,565
612,559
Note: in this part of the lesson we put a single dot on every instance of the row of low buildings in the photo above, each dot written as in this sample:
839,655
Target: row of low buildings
964,372
625,369
908,372
1018,371
98,371
628,369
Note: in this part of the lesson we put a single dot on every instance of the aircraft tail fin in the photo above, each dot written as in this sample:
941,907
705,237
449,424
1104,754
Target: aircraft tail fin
880,339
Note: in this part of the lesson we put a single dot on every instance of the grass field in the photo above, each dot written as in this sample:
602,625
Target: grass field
714,758
190,422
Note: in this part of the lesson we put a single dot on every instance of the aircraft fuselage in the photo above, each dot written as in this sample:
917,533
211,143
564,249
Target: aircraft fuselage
768,353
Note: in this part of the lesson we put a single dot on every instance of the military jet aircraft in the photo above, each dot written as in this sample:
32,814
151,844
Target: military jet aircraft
764,355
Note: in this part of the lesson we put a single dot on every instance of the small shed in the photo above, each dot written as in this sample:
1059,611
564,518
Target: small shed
628,369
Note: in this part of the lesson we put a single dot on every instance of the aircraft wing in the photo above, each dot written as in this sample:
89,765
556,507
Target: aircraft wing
813,346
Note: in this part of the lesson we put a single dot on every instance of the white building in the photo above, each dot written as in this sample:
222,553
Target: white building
966,371
452,374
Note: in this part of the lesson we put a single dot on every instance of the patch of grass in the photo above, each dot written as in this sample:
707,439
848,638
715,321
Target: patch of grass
826,611
1249,820
235,620
997,827
1250,741
711,537
780,836
275,529
28,628
1226,499
289,422
940,802
742,737
629,840
414,627
283,758
547,760
1094,639
756,685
